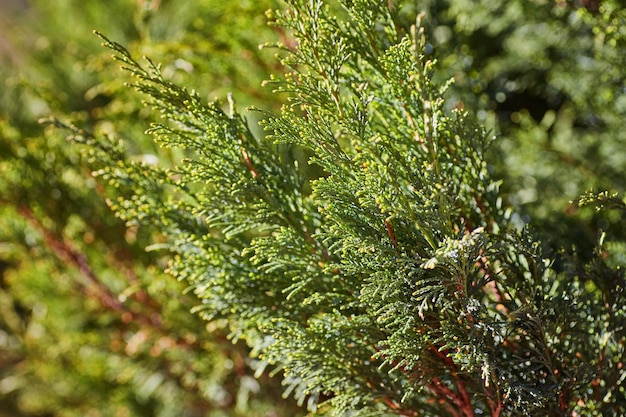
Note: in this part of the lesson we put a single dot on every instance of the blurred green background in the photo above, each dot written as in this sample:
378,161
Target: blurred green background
91,325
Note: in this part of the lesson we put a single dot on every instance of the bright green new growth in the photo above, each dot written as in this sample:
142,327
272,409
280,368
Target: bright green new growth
382,275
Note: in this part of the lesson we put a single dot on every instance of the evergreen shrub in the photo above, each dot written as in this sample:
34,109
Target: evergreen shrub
362,247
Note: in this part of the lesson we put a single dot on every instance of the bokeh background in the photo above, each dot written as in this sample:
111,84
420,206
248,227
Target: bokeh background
90,325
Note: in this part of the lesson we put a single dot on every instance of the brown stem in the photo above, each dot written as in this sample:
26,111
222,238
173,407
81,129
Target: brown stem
249,165
395,407
66,253
461,398
94,288
496,407
392,236
444,393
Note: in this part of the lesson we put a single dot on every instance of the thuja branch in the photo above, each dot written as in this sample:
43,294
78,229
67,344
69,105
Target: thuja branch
397,240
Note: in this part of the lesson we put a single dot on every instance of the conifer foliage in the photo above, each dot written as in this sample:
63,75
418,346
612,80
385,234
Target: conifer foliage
361,248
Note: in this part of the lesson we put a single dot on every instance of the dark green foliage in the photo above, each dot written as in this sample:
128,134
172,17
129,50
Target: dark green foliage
548,77
384,274
379,250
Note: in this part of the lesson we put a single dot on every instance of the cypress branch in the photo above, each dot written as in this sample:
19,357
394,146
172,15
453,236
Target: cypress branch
393,282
